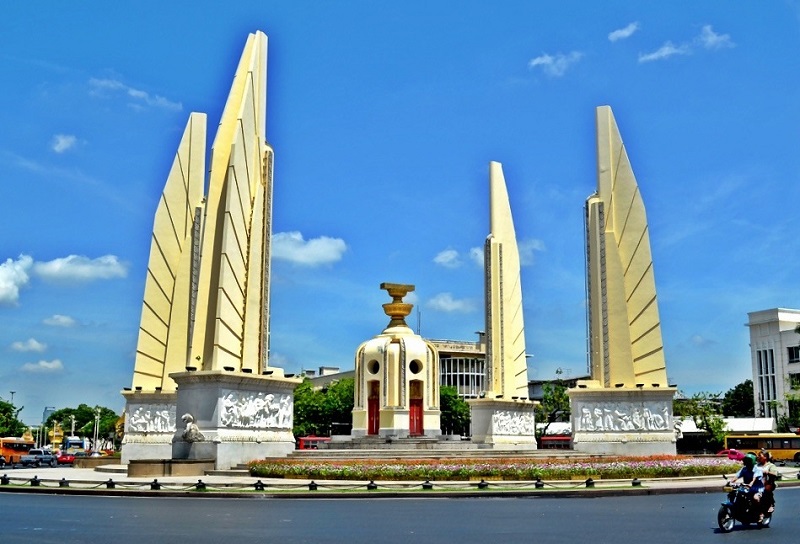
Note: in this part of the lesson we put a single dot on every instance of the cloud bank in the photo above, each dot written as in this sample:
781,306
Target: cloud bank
43,367
290,246
63,142
103,87
13,277
444,302
31,344
58,320
81,269
555,65
623,33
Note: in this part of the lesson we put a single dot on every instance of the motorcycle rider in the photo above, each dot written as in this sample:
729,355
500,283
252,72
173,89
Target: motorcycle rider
751,475
769,477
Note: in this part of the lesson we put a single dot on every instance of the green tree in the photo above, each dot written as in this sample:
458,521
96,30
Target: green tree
553,407
317,410
738,401
455,415
10,425
338,404
705,410
85,422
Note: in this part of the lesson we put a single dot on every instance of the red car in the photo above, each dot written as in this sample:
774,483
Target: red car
732,454
65,458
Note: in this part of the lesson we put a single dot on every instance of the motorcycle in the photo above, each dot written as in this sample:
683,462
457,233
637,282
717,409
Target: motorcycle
742,508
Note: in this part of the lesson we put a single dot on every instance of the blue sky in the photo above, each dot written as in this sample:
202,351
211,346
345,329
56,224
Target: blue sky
384,117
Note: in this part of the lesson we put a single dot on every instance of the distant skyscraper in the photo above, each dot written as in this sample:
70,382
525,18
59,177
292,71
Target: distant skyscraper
48,411
624,325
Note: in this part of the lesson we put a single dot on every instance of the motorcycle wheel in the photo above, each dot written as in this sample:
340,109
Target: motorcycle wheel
725,520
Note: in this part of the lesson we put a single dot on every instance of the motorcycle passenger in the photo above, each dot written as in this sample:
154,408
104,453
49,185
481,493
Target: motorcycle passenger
769,477
750,474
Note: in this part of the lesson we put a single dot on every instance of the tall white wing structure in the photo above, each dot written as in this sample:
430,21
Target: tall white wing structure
232,320
164,327
624,325
507,370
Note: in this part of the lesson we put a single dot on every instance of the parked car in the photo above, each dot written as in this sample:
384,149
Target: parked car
37,458
65,458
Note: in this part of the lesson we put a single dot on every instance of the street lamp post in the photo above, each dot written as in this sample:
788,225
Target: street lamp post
96,428
12,396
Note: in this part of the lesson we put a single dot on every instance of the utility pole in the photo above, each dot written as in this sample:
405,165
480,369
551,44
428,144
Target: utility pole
12,396
96,428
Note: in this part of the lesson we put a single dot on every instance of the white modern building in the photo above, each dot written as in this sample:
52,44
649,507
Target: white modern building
775,356
462,364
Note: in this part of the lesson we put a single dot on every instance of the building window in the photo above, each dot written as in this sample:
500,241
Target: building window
766,381
794,354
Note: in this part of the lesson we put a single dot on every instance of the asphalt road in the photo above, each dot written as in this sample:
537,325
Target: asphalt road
656,519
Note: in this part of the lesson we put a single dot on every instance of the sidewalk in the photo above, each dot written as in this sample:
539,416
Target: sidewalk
113,480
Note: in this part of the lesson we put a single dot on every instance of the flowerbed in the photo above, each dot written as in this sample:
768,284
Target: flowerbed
508,469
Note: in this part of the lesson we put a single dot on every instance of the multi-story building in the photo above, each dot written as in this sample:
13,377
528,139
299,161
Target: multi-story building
775,355
462,365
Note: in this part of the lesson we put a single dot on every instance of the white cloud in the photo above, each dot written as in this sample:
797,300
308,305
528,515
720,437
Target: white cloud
448,258
290,246
707,39
665,51
58,320
526,249
13,276
31,344
80,268
63,142
102,86
444,302
43,367
711,40
476,255
555,65
623,33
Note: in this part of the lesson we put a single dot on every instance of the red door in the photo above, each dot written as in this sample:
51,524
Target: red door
415,418
373,408
415,409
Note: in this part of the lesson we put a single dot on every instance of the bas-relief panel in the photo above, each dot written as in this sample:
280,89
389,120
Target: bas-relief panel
622,416
244,409
151,418
513,423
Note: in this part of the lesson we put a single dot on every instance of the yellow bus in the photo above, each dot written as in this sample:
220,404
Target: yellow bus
14,448
782,446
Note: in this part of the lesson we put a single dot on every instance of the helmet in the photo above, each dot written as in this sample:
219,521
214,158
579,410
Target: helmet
749,460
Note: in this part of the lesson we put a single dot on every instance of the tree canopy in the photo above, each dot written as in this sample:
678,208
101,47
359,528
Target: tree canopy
321,411
738,401
85,421
10,425
455,413
706,411
554,405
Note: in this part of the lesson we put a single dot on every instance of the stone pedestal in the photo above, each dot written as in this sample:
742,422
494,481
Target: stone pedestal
503,424
149,425
232,417
623,421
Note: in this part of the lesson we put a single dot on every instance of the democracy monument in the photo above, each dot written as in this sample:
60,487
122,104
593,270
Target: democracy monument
203,390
